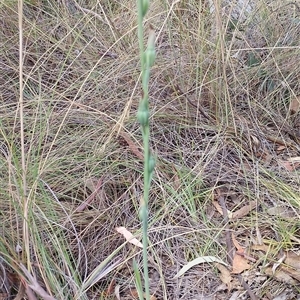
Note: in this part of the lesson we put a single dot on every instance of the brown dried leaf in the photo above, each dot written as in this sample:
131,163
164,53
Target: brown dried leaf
217,207
263,247
238,247
220,210
239,264
294,105
241,251
129,236
293,260
289,165
282,211
248,257
291,272
225,275
266,156
243,211
176,179
280,148
280,275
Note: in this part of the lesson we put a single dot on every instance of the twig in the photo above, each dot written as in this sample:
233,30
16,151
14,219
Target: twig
246,287
132,146
229,243
203,113
230,247
91,197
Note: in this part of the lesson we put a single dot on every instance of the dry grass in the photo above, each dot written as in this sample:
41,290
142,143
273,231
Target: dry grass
220,94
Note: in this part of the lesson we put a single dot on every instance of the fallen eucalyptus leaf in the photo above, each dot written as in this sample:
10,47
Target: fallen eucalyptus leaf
197,261
129,236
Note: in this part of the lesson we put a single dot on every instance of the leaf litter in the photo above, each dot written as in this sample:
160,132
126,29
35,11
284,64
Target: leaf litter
251,156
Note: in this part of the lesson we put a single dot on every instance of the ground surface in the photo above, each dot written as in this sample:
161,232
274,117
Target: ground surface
225,131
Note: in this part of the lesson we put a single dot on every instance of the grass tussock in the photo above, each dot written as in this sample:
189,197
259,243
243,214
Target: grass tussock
224,121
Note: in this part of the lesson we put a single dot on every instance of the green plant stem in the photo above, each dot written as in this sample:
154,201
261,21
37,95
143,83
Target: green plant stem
144,120
145,210
140,28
